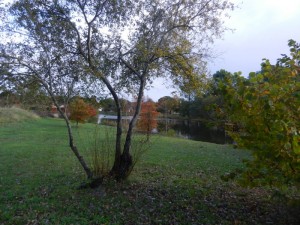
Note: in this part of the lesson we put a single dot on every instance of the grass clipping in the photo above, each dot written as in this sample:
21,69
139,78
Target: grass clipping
14,114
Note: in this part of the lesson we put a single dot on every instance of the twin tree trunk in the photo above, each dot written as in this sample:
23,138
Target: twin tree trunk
123,164
123,160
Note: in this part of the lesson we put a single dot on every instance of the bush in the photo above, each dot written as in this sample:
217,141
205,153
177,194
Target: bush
266,109
171,133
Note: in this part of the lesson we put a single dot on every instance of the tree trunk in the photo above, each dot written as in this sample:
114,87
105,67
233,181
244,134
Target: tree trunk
82,162
118,153
123,168
87,170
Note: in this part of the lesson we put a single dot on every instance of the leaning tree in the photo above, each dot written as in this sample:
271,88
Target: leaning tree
28,54
124,44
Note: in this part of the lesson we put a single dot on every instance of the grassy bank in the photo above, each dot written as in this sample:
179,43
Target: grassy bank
177,181
14,114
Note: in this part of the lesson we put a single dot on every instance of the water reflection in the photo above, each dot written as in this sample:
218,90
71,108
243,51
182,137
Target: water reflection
200,131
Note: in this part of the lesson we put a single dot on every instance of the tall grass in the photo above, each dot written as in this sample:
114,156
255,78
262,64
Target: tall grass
98,143
101,151
14,114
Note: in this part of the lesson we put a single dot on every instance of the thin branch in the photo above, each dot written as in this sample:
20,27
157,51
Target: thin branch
131,67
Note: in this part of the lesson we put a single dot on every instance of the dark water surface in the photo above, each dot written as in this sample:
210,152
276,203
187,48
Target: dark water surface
200,131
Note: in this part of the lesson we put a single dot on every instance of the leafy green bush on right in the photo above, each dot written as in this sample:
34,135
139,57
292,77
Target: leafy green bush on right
266,109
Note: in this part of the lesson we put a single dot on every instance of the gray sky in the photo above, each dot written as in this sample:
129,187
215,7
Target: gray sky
262,30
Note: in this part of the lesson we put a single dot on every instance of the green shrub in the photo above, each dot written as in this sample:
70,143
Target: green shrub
169,133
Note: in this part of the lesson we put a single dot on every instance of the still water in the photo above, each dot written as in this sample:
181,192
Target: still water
200,131
195,130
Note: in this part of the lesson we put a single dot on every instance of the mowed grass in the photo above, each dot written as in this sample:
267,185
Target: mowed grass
176,181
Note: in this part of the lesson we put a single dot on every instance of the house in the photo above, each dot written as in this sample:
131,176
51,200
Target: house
55,112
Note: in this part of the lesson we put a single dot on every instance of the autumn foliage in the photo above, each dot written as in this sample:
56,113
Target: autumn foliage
81,111
266,107
148,117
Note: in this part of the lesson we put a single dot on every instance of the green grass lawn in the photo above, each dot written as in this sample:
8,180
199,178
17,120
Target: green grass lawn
176,181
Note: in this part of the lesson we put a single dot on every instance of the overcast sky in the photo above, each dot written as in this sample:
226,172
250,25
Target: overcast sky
262,30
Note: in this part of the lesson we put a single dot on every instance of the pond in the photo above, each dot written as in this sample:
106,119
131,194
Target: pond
200,131
195,130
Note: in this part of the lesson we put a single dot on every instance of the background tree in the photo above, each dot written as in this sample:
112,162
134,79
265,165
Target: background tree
107,105
201,108
208,106
81,111
167,106
216,81
266,108
148,117
92,100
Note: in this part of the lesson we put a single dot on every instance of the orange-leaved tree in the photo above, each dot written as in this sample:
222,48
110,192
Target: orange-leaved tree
148,117
81,111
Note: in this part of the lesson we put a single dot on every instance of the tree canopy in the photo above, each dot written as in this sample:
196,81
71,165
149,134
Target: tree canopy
168,105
